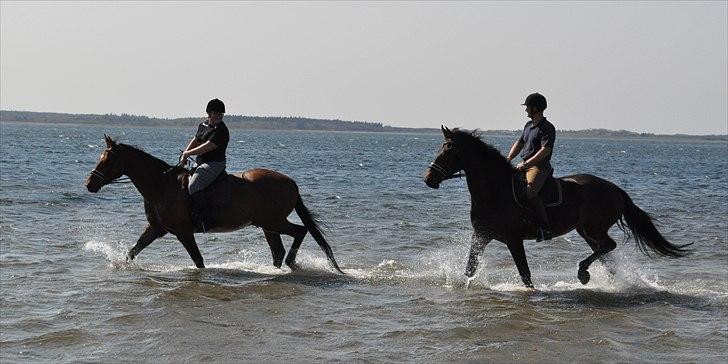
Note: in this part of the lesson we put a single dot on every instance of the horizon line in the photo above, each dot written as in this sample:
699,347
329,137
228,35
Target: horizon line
356,121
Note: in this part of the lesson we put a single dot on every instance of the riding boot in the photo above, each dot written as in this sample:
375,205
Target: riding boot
197,211
544,227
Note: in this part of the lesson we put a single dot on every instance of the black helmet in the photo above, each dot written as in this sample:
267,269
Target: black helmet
536,100
215,105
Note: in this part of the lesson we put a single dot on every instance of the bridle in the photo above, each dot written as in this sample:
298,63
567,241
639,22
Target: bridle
98,174
446,175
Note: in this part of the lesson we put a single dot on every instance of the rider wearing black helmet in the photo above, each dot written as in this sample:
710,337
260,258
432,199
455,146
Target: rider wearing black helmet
536,147
209,145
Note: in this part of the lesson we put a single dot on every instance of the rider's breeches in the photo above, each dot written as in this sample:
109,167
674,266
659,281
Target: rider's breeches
535,177
204,174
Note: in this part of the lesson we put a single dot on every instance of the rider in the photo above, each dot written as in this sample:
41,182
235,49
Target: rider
538,139
209,146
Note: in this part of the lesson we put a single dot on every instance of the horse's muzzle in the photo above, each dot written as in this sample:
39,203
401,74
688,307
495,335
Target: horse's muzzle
92,187
431,180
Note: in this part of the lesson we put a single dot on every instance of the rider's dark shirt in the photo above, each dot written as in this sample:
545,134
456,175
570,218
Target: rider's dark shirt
219,135
536,136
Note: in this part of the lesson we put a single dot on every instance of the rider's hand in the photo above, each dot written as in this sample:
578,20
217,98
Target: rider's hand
521,166
183,157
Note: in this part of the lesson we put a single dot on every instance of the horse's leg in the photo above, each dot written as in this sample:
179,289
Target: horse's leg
601,243
608,263
478,242
151,233
298,232
276,247
188,241
519,256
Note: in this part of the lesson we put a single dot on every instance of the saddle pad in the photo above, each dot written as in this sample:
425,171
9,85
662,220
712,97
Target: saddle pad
551,193
219,192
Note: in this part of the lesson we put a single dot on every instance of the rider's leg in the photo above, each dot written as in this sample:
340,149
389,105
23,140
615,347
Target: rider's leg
535,177
203,176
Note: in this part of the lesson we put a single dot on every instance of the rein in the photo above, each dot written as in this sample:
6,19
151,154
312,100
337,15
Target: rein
181,163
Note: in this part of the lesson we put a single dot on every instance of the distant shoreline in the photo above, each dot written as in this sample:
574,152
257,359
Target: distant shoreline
307,124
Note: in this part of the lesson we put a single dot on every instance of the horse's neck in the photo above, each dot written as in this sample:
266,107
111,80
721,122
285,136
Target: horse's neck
488,182
145,172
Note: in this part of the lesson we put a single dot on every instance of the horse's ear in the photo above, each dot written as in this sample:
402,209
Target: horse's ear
446,132
109,142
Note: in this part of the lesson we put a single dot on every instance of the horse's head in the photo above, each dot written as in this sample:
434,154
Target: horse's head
108,168
447,163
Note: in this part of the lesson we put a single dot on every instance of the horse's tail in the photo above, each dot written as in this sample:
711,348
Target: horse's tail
645,233
309,221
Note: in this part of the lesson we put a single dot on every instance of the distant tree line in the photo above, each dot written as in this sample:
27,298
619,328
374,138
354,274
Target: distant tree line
299,123
233,121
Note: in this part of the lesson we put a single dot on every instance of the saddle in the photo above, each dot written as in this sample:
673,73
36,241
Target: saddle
551,193
206,202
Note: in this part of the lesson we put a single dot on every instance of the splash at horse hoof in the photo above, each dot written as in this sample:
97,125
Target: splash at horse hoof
470,271
293,265
584,276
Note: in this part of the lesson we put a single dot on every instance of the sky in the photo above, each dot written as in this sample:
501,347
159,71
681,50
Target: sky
657,67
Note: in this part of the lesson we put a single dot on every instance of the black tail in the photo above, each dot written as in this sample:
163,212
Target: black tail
645,233
309,221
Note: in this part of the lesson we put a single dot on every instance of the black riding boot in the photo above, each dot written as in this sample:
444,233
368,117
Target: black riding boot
544,227
197,210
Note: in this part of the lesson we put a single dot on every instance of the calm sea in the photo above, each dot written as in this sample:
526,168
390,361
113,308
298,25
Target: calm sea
68,295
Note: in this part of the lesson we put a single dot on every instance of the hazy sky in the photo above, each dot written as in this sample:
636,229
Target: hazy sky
651,67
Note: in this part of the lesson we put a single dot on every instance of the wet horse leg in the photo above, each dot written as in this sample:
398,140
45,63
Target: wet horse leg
298,232
478,242
151,233
519,257
601,243
188,241
604,258
276,247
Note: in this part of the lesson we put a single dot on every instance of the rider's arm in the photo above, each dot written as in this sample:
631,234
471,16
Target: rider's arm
202,149
538,157
515,149
192,144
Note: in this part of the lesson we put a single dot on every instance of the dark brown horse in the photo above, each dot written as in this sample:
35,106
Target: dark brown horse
257,197
590,205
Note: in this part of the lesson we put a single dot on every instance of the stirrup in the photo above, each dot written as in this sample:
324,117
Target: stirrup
544,234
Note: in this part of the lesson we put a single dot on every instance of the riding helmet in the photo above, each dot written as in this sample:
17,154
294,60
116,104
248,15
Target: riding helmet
215,105
536,100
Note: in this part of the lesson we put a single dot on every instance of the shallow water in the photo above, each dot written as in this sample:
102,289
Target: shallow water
69,295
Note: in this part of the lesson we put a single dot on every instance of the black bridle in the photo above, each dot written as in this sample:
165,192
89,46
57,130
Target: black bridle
98,174
444,172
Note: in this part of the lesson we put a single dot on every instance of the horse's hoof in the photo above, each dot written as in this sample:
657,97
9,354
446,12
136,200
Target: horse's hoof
293,266
278,263
584,276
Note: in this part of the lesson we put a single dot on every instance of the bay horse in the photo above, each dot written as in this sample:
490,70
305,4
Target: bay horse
590,205
259,197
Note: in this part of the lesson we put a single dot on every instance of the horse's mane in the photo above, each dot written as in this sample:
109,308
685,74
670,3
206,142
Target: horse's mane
473,143
162,165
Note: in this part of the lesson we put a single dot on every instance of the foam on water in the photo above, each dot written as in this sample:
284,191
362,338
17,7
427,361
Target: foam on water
113,252
441,267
